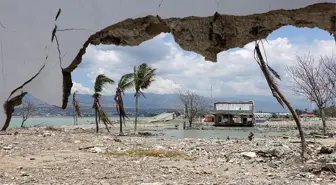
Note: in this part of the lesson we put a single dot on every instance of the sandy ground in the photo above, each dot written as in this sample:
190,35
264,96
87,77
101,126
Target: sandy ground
77,155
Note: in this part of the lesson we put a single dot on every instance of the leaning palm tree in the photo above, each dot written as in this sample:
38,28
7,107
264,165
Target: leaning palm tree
100,114
76,108
270,75
143,76
125,82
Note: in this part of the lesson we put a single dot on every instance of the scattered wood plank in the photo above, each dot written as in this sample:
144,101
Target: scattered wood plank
85,148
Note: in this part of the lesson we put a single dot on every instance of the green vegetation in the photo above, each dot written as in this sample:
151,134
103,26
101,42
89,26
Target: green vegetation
100,114
299,111
329,112
124,83
143,76
274,116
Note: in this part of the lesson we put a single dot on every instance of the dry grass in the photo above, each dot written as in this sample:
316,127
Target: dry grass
52,128
148,152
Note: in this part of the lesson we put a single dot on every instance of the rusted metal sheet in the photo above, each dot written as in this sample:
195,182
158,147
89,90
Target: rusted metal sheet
244,106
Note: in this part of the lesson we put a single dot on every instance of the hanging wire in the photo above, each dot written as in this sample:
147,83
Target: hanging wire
160,4
157,8
154,12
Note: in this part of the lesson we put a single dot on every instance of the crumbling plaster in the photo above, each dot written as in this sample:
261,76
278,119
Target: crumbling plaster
206,35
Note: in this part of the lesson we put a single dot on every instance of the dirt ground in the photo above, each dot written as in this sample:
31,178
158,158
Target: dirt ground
77,155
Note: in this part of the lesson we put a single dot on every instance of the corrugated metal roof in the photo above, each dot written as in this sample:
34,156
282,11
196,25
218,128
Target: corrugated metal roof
232,112
235,102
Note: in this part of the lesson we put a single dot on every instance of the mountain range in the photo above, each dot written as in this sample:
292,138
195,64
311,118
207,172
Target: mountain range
171,101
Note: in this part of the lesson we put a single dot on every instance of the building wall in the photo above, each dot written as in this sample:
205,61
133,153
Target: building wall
284,114
233,107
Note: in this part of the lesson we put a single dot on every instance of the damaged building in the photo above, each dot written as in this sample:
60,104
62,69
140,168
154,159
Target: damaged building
239,113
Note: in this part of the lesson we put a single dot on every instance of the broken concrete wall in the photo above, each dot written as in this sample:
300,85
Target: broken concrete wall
26,31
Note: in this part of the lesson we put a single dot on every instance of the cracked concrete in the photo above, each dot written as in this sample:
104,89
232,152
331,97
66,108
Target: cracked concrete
207,36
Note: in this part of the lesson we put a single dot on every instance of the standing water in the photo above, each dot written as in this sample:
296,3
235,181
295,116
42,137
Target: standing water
166,131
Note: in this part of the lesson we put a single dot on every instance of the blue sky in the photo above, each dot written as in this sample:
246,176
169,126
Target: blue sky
235,72
300,35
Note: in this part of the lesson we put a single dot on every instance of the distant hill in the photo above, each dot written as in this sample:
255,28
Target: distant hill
171,101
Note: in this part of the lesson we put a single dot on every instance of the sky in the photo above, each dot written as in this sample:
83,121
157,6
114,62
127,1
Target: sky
235,73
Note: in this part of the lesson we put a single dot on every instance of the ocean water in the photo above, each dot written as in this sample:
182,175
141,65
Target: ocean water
55,121
33,121
166,132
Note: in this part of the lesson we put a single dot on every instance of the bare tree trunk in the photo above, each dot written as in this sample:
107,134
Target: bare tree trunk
284,100
296,118
74,115
136,113
96,116
121,125
23,121
185,116
323,121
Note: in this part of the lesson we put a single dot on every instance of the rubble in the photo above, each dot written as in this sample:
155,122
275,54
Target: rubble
326,150
329,167
98,150
269,153
146,134
249,155
9,147
61,158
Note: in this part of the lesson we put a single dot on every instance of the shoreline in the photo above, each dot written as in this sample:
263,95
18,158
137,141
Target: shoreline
267,129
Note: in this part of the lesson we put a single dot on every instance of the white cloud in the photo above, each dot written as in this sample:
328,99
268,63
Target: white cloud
163,86
235,73
80,88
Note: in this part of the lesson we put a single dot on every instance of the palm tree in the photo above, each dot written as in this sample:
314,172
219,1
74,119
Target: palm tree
100,114
143,76
124,83
76,108
270,76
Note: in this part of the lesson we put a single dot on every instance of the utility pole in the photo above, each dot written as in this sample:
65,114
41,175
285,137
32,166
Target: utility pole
211,95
